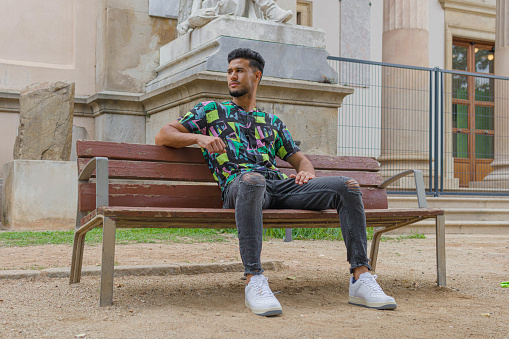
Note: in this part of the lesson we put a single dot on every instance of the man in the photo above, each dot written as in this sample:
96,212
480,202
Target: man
240,143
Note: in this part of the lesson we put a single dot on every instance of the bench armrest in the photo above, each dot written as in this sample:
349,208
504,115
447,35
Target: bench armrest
419,185
100,165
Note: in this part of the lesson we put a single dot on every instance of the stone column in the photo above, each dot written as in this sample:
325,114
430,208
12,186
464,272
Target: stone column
405,114
500,175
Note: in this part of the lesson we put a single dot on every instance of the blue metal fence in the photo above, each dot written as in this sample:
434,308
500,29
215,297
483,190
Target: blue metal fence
452,125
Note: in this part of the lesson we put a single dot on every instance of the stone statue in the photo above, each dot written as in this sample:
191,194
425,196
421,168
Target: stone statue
196,13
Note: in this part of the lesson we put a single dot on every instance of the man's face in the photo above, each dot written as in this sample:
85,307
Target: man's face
242,78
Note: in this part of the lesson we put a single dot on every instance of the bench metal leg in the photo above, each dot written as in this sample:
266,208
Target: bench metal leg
79,247
77,257
288,235
440,246
375,244
108,262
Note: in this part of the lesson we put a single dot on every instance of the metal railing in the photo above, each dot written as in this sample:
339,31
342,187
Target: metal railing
452,125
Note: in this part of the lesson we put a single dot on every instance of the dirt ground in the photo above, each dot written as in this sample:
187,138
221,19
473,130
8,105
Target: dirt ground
313,290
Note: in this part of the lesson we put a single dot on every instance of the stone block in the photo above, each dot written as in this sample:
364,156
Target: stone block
317,135
120,128
156,121
39,195
164,8
130,40
45,123
300,49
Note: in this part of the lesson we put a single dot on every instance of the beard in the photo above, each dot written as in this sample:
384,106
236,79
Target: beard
239,91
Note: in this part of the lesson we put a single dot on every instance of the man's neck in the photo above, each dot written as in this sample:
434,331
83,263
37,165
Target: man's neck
247,103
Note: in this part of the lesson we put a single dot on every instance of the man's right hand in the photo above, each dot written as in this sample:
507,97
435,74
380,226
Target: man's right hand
212,144
176,135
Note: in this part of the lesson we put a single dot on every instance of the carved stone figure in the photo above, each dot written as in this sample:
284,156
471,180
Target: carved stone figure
196,13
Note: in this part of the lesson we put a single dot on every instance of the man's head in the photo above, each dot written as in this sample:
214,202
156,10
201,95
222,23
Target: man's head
255,59
245,68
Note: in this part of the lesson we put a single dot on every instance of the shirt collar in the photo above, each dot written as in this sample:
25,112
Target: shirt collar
230,102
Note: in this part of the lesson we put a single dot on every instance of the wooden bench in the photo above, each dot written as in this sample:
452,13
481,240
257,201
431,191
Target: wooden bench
138,186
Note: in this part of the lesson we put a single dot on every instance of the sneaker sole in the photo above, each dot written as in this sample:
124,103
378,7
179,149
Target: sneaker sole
379,306
264,312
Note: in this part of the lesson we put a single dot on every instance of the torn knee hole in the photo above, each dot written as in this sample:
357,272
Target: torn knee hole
253,178
352,185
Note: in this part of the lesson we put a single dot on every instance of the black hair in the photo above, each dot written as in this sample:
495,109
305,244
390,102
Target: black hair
255,59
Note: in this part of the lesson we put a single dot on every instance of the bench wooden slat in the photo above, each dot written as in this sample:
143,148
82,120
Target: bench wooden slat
205,196
327,162
205,216
287,214
119,169
365,179
183,196
125,151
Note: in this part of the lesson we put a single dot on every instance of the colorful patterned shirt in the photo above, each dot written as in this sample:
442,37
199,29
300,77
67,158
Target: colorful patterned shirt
253,139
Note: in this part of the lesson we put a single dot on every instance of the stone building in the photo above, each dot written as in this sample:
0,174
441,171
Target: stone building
110,49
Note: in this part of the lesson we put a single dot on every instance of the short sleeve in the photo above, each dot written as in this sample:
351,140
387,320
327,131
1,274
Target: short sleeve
195,121
285,146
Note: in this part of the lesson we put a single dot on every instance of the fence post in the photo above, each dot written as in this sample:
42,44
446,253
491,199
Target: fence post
442,131
430,148
436,131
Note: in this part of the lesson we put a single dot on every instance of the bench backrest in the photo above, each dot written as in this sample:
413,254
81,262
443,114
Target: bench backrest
158,176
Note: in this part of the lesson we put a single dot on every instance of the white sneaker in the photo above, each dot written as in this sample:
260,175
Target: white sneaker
260,299
366,292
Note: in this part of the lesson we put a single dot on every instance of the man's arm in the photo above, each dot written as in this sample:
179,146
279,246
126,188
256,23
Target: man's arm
176,135
304,168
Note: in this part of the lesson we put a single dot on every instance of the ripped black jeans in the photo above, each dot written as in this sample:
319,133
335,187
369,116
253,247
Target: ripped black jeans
251,192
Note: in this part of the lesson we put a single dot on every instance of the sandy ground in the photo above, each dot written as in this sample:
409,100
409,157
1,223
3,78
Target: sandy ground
313,289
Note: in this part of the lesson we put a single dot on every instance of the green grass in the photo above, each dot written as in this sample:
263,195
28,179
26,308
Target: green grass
412,235
164,235
305,233
330,234
123,236
311,233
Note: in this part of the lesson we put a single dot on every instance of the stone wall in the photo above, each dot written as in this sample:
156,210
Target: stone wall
128,42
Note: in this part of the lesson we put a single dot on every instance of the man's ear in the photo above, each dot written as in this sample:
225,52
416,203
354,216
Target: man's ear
258,75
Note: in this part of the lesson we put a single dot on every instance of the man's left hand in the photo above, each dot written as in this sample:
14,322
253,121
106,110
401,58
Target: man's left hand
302,177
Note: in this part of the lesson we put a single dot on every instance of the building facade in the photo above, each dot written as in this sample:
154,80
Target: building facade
110,49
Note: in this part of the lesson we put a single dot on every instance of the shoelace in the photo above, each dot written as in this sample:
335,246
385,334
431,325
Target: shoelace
373,285
263,287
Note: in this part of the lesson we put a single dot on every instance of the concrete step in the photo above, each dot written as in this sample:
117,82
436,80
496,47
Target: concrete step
481,215
451,201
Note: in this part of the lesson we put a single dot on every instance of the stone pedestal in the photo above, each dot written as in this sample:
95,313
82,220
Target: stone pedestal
309,109
500,175
39,195
291,52
294,85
